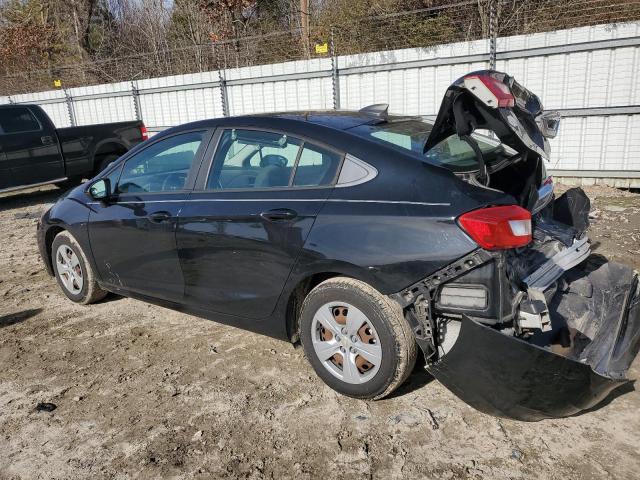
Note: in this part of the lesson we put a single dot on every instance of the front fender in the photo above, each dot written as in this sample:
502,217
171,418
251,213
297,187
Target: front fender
70,213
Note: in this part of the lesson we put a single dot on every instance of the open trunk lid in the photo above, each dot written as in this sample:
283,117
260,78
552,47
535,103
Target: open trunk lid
490,100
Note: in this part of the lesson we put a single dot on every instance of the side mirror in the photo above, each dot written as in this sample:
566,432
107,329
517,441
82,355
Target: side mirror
100,189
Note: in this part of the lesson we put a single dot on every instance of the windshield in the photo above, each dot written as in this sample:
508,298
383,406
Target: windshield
453,153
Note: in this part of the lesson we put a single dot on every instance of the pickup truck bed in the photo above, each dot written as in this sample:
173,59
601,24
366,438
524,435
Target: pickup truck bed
33,152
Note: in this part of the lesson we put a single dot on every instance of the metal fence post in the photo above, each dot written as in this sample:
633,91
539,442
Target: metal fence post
493,33
71,112
135,93
223,83
335,80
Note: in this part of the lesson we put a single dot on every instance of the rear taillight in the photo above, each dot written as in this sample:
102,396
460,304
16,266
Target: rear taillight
144,132
491,91
496,228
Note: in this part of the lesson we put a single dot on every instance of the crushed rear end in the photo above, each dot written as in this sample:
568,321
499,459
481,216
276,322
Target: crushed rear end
571,335
536,326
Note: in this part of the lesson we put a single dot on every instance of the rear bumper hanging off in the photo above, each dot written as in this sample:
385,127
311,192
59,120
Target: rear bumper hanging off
594,338
508,377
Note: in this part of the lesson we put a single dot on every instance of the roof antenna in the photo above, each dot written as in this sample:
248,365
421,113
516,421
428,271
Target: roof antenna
380,110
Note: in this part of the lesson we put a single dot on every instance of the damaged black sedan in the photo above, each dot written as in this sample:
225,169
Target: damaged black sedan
370,238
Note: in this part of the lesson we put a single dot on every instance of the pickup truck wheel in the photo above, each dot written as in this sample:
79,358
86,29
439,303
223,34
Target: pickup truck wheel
356,339
73,272
104,163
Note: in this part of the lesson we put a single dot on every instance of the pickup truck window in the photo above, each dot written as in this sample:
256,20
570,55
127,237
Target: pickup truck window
17,120
162,167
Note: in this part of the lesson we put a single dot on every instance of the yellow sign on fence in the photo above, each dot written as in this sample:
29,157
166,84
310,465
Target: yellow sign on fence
322,47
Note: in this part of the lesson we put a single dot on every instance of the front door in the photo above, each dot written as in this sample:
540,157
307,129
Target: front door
133,235
239,236
31,151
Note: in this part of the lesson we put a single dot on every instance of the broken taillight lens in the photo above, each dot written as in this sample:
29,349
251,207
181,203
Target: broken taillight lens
491,91
497,228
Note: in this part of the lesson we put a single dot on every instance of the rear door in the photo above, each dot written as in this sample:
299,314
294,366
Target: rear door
32,153
133,235
243,227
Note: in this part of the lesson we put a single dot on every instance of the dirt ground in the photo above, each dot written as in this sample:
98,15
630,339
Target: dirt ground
145,392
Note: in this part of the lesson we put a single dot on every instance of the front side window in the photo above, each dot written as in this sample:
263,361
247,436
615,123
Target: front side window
162,167
17,120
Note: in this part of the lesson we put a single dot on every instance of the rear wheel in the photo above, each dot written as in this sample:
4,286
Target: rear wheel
73,272
356,339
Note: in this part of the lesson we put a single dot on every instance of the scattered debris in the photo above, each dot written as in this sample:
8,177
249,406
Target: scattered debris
46,407
517,454
23,215
614,208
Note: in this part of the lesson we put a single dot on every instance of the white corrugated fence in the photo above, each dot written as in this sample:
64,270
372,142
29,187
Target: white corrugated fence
590,74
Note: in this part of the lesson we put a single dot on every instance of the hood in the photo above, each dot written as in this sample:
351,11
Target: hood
494,101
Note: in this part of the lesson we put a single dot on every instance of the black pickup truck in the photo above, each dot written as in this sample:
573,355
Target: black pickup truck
33,152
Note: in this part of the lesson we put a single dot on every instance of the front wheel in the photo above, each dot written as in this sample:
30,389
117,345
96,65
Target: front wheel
73,272
356,339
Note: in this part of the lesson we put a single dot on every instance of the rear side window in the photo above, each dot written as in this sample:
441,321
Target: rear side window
17,120
316,166
162,167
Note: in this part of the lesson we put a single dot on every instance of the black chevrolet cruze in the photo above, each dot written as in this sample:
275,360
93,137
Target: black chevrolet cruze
369,238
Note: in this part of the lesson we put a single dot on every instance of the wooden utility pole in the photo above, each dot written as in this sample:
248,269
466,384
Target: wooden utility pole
304,25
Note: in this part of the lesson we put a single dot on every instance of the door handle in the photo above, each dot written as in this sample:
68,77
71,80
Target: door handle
279,214
159,217
46,140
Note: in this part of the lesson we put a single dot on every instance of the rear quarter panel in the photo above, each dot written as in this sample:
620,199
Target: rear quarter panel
396,229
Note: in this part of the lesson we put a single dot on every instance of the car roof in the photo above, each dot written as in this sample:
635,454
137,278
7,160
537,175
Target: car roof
338,119
334,119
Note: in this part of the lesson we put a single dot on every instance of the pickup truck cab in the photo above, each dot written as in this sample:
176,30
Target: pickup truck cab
33,152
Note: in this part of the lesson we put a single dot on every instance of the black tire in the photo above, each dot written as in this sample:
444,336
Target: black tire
90,291
105,161
398,345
